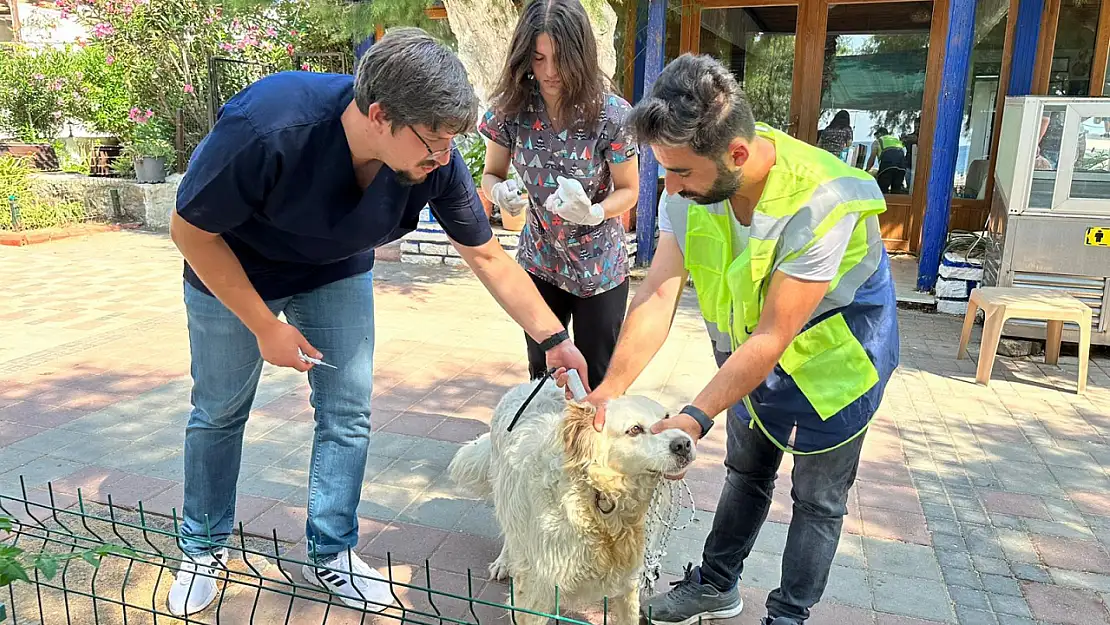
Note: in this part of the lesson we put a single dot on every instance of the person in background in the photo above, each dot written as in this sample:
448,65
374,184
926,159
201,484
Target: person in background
838,136
891,154
912,143
554,120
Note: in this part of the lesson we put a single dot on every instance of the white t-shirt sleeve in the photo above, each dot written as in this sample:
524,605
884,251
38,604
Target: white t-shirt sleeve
664,219
822,260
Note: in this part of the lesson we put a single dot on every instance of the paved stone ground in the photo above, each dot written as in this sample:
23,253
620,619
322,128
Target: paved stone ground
974,505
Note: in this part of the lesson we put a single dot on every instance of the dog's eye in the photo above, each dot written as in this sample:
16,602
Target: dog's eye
635,430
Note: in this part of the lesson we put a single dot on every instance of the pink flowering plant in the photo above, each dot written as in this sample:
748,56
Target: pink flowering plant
40,87
149,136
163,46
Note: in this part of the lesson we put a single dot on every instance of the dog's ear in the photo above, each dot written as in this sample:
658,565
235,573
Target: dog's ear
579,436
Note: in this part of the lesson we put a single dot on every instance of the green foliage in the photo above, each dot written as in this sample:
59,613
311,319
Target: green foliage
160,50
768,80
473,150
77,158
15,563
149,137
1094,160
39,88
36,210
107,96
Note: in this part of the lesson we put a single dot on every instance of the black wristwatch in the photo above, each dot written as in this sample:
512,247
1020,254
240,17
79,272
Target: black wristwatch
554,340
699,415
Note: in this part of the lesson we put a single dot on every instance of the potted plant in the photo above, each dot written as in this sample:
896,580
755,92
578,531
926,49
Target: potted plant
149,149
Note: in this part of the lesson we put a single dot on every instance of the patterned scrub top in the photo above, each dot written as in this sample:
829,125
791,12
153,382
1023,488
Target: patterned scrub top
582,260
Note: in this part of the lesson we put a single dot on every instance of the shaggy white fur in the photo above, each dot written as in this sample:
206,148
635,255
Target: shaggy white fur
571,501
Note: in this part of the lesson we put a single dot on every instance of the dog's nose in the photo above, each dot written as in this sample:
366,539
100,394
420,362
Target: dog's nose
681,446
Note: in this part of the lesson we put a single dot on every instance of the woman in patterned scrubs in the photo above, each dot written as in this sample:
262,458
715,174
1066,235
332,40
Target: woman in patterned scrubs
554,119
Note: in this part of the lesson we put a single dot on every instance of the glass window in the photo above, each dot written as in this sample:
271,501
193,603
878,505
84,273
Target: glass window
1048,156
1074,50
1091,178
977,127
757,44
873,85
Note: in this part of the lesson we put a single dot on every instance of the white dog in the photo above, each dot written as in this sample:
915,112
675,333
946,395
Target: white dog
571,501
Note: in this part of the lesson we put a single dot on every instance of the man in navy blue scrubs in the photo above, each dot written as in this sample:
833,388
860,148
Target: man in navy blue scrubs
302,176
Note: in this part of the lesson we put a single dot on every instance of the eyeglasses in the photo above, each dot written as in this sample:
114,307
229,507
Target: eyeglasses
434,154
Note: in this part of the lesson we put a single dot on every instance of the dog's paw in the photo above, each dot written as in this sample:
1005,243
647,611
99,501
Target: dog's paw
498,571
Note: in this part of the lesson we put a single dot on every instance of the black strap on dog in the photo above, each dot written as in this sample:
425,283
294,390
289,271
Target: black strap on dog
543,379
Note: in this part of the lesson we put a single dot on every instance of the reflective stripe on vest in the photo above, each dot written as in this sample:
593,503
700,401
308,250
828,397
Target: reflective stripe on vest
806,193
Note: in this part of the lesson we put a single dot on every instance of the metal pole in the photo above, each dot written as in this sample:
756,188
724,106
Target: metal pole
946,135
649,168
1027,33
17,220
213,92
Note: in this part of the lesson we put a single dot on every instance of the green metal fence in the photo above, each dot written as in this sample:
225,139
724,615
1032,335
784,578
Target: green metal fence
106,564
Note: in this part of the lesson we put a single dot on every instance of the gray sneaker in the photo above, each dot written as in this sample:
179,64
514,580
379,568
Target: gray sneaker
691,600
781,620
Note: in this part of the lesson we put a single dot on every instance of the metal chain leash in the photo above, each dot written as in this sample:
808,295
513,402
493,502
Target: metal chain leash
662,517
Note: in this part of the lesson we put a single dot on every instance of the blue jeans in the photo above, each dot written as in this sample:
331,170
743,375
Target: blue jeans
338,320
820,494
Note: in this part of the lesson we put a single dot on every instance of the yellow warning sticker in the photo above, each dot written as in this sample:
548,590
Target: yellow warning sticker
1099,237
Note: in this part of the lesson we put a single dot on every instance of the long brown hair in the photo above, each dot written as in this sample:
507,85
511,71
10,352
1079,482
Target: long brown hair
584,86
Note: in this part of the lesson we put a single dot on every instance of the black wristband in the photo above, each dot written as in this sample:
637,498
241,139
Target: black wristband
699,415
554,340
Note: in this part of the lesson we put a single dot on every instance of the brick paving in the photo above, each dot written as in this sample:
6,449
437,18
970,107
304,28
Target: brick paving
973,505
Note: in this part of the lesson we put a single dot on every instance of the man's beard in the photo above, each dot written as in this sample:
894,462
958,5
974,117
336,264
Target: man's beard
724,186
408,179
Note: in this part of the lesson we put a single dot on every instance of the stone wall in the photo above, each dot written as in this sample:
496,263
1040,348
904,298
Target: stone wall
147,204
429,244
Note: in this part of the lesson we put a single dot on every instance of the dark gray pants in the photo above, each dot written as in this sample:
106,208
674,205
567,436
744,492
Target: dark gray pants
820,494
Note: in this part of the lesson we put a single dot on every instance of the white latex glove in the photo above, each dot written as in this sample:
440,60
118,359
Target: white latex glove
510,197
571,203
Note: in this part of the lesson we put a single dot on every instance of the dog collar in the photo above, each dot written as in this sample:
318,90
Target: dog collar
598,499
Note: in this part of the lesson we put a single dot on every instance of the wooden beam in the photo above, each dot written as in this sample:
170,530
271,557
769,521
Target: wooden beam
809,62
873,1
689,39
16,28
436,13
737,4
1102,52
379,32
1047,47
938,34
629,86
1000,97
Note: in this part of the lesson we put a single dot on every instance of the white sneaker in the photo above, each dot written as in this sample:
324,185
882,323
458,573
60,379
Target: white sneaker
353,581
194,587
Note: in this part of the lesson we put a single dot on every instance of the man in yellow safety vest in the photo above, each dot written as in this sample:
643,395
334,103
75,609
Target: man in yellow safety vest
783,245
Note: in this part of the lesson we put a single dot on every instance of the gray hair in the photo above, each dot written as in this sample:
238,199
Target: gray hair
695,103
416,80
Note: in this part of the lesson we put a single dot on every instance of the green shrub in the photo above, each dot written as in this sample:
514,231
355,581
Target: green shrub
36,210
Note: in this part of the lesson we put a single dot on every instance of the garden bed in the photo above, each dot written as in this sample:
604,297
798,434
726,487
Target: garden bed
43,235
